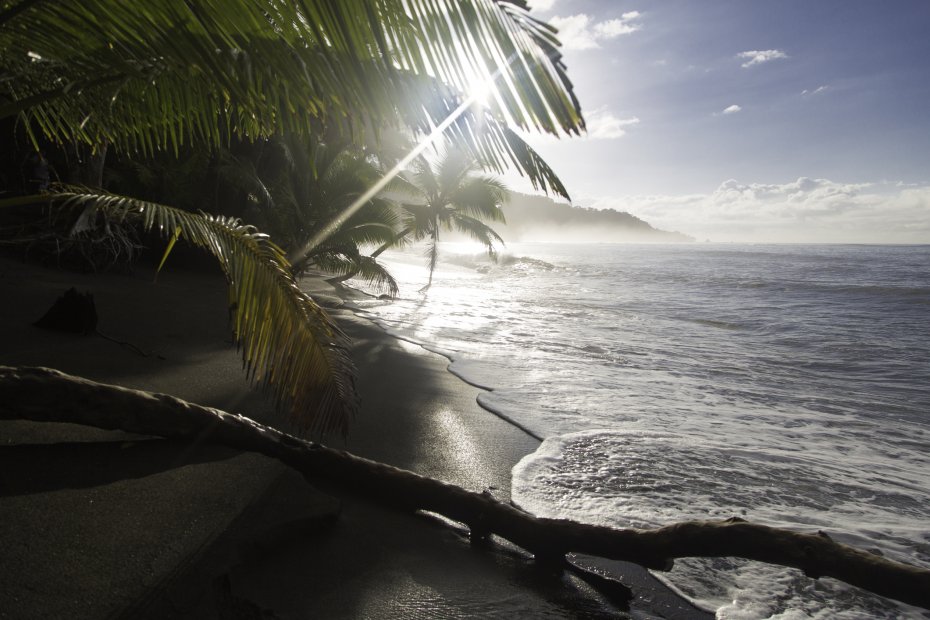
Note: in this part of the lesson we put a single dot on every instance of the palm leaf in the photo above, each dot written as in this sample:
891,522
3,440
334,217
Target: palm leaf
477,230
482,197
105,71
358,267
290,347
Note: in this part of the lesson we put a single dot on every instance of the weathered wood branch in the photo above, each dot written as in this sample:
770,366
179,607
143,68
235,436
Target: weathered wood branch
42,394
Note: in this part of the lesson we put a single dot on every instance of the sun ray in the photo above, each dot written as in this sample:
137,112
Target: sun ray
481,89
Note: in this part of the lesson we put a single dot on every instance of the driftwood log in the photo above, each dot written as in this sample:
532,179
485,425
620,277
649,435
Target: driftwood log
42,394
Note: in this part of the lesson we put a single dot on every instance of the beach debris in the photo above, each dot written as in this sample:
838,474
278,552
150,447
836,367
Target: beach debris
73,312
76,313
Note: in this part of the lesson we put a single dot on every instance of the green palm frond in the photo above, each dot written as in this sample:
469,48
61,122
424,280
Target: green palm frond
366,234
376,275
290,347
481,196
452,170
419,221
242,175
501,146
177,72
315,193
477,230
358,267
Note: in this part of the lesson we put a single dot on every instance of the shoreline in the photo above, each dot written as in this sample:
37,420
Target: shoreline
105,524
654,594
346,293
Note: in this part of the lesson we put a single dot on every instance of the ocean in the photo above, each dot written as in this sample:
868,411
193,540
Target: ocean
785,384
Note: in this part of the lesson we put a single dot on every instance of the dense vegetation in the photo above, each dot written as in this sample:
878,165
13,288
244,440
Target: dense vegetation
199,121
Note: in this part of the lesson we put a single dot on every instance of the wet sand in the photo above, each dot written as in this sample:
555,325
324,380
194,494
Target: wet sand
103,524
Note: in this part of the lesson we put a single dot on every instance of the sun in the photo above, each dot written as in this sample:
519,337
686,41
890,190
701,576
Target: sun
481,92
479,87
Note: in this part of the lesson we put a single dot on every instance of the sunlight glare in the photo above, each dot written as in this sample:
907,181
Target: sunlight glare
334,225
481,88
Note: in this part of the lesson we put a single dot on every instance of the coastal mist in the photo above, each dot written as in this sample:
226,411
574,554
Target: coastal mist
788,385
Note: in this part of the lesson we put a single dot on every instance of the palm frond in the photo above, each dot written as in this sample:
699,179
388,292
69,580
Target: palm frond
243,175
423,178
358,267
376,275
104,71
477,230
453,168
498,145
418,221
366,234
481,196
290,347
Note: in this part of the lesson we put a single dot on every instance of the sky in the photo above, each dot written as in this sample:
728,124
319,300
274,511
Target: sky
750,120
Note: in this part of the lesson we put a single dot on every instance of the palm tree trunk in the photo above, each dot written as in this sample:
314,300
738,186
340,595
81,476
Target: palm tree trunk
433,257
392,242
344,277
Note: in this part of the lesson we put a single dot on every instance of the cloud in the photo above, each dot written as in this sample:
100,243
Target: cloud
580,32
616,27
816,91
541,5
602,125
731,109
757,57
806,210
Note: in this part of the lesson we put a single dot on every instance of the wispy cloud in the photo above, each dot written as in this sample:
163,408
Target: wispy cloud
757,57
581,32
732,109
806,210
602,125
816,91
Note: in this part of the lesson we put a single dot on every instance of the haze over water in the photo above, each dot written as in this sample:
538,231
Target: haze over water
789,385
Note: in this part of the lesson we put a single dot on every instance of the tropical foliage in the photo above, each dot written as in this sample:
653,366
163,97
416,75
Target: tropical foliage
306,188
107,72
168,74
451,195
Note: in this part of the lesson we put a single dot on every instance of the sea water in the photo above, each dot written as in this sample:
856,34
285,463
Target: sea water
787,385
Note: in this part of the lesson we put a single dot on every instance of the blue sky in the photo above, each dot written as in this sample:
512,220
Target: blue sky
746,120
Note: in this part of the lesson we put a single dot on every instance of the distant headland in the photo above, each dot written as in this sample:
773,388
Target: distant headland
539,218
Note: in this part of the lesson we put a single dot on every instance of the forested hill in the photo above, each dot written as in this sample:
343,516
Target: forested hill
537,218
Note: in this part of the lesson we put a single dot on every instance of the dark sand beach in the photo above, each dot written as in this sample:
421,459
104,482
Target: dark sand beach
100,524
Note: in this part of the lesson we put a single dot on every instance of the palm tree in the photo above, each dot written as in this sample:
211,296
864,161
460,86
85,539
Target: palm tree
104,74
315,183
451,196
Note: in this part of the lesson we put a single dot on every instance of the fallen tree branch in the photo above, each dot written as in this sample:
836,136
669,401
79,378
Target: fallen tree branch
46,395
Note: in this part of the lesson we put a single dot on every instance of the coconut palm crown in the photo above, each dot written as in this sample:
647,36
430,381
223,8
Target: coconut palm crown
453,196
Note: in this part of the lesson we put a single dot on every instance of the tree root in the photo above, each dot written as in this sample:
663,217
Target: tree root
46,395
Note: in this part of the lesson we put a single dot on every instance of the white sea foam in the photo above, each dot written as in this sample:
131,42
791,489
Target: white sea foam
789,385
